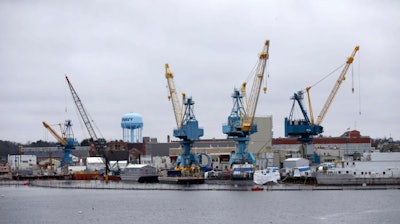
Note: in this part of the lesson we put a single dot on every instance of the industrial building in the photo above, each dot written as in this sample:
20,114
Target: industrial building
329,149
267,150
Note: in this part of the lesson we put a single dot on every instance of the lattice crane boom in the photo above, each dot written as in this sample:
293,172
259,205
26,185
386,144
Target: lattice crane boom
82,111
60,139
173,96
252,100
336,87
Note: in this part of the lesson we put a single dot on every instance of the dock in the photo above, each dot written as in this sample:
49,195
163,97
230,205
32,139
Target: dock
121,185
181,180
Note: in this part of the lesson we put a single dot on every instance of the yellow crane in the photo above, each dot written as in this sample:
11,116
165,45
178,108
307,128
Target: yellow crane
252,101
334,91
60,139
173,96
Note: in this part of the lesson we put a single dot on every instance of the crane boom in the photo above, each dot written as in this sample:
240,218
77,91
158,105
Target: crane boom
82,111
176,104
252,101
341,78
54,133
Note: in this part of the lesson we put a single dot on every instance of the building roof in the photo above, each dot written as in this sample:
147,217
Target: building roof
94,160
294,159
136,166
349,137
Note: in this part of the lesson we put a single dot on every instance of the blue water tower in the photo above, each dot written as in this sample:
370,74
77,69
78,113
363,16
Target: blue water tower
132,125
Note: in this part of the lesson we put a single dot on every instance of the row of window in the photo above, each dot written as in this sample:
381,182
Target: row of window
362,173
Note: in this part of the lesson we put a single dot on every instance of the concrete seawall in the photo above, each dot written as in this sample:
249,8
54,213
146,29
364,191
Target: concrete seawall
232,186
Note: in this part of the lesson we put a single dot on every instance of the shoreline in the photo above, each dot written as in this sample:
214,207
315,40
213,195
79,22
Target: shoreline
231,186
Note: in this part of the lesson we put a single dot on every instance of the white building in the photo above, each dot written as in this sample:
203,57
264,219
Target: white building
95,163
21,162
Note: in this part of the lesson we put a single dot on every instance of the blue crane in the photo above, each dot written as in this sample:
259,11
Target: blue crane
240,122
67,141
305,128
187,129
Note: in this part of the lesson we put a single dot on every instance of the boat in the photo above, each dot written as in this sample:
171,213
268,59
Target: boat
142,173
268,175
376,168
257,189
81,175
242,171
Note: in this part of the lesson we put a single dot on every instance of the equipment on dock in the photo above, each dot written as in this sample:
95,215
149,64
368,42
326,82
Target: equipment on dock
67,140
240,122
305,129
98,143
187,129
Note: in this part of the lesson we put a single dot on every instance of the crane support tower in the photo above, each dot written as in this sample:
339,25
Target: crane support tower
240,122
99,144
67,141
187,129
305,129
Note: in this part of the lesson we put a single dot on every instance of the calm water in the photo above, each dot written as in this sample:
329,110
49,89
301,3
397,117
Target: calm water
24,204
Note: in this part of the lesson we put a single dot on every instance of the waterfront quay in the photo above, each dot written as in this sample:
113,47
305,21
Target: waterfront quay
208,186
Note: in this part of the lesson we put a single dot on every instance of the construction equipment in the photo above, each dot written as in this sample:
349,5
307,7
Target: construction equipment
240,122
67,140
187,129
305,129
98,145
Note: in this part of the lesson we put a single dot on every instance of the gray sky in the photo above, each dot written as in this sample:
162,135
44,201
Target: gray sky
114,53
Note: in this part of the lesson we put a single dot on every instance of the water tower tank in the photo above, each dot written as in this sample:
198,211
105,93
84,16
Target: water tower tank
132,124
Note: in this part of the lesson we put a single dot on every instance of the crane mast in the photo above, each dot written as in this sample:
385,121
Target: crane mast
341,78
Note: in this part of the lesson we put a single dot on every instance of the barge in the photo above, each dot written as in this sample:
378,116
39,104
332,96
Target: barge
372,169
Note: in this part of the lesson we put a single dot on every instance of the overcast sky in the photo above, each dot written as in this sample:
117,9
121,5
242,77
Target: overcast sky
114,53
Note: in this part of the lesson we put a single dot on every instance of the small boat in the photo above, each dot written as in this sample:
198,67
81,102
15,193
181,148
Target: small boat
257,189
268,175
